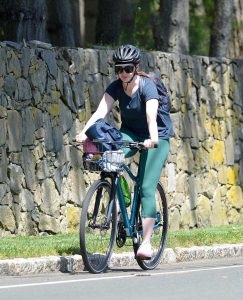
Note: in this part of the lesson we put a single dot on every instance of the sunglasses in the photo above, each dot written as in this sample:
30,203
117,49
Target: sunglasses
127,69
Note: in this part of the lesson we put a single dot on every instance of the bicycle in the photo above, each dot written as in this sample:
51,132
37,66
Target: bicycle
105,218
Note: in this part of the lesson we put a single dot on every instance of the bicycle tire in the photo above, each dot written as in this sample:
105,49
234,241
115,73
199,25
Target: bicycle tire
97,235
159,236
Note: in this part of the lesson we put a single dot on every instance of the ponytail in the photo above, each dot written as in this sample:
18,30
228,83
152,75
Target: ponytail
142,73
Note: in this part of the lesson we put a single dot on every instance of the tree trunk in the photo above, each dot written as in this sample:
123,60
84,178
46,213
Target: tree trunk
81,10
173,32
91,15
128,20
236,46
222,28
62,22
23,19
109,22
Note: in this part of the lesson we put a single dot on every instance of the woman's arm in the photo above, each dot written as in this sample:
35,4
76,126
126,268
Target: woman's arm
151,112
103,109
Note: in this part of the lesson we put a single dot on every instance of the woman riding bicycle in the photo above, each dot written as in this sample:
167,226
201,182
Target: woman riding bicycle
141,120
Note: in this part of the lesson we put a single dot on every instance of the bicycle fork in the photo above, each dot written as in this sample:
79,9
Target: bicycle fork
109,208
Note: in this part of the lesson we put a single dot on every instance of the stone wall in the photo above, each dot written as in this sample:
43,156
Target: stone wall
47,94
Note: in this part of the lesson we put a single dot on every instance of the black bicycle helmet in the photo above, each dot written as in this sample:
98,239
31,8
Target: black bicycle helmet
127,54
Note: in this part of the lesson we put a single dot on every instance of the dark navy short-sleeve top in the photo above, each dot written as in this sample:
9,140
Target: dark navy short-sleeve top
133,109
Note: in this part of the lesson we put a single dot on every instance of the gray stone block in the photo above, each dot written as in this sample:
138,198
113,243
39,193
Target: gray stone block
14,127
50,59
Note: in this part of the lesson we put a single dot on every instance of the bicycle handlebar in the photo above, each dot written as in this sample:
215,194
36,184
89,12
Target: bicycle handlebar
123,144
136,145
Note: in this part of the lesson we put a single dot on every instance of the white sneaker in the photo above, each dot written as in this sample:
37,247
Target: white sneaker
144,251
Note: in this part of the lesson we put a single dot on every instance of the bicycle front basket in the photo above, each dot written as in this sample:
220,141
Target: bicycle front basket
113,160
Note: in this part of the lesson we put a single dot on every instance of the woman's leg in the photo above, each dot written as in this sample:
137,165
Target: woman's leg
151,164
129,136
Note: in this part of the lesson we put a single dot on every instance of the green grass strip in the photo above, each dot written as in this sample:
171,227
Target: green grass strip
228,234
68,244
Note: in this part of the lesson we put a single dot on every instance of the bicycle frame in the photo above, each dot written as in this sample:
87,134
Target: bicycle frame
128,223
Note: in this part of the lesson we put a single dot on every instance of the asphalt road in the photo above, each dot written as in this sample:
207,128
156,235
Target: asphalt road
215,279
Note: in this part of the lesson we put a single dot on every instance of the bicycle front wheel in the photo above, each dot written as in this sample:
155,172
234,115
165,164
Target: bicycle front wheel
158,238
98,226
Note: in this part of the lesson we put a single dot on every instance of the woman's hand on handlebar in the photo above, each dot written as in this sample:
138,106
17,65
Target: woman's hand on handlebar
150,144
81,137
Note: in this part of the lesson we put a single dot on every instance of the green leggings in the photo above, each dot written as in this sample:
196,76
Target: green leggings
151,164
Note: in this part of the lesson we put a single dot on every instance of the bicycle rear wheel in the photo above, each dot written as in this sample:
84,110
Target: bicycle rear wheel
98,226
159,235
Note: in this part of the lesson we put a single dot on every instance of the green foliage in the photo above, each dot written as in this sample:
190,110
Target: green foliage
143,36
200,27
201,20
145,13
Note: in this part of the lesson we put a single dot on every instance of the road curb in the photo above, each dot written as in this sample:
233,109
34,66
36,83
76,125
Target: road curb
74,264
